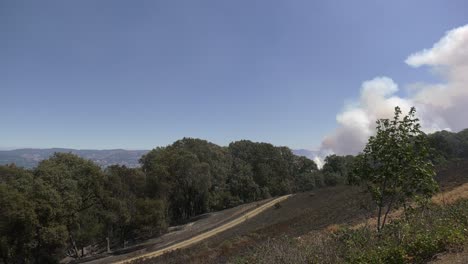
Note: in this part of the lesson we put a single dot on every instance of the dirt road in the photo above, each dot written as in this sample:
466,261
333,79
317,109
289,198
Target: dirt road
207,234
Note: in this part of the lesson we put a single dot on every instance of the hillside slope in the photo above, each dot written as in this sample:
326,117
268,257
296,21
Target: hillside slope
303,216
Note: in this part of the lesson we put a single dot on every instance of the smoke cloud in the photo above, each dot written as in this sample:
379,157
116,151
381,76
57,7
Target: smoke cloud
440,106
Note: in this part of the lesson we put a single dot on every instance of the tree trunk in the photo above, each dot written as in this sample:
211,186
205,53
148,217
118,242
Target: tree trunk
73,244
406,211
108,245
388,211
384,186
378,218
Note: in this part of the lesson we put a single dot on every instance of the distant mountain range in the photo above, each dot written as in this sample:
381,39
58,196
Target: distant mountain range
29,157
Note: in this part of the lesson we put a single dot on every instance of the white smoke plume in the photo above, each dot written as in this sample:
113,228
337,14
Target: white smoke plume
439,105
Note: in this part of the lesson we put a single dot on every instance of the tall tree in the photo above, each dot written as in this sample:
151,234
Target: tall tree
31,223
337,168
79,183
272,166
305,173
188,175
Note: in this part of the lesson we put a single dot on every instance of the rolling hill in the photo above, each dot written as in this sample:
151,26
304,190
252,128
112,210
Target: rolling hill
30,157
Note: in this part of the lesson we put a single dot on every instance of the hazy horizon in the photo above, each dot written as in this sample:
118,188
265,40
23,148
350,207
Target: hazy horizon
18,148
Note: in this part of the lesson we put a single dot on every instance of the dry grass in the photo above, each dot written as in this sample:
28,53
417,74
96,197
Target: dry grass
333,228
452,257
442,198
451,196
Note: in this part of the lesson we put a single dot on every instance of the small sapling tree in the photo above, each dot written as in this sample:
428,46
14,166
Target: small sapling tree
395,164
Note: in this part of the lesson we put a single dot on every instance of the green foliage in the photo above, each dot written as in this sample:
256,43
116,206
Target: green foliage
17,222
242,185
426,232
272,166
79,184
306,175
395,165
185,175
31,227
332,178
150,217
448,146
337,169
68,203
194,176
131,208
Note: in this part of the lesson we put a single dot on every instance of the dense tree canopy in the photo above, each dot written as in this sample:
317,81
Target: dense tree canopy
68,204
336,169
448,145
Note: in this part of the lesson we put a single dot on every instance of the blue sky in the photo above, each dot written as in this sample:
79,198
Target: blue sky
140,74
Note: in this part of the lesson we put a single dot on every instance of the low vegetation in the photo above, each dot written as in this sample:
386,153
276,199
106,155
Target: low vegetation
416,238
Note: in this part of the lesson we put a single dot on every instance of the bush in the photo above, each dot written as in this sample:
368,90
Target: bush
332,179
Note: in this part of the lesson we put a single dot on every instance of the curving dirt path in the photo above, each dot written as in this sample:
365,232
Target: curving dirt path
210,233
